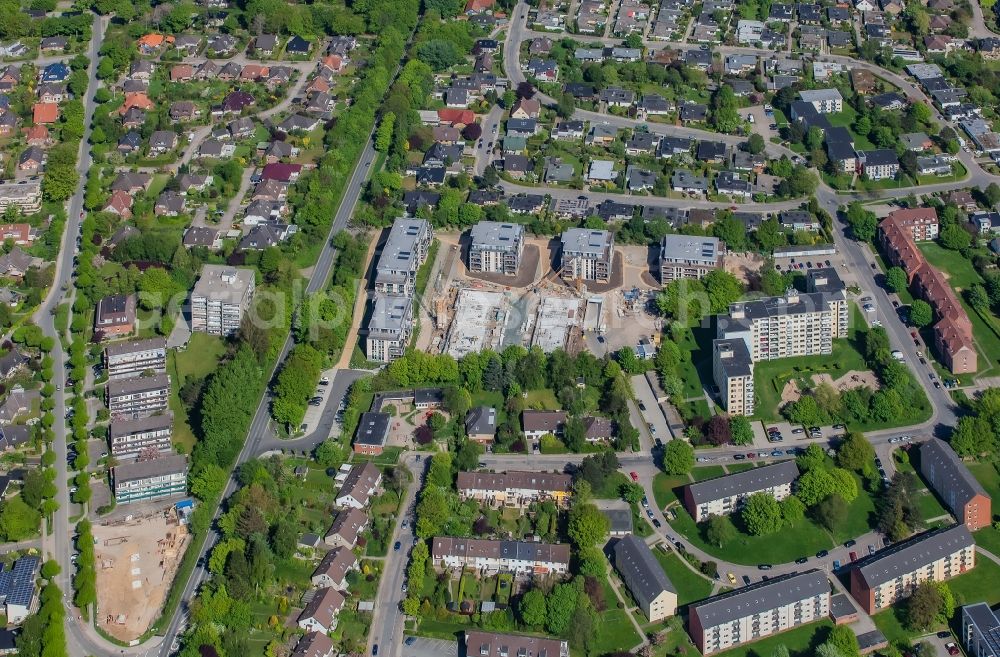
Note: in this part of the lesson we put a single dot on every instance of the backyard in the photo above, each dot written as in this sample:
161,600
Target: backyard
690,586
197,361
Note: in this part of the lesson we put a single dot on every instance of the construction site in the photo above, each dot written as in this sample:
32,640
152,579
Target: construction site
136,558
468,314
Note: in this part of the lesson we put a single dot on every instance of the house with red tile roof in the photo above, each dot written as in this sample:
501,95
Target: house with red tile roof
478,6
921,222
182,73
456,117
120,203
138,100
281,172
43,113
37,135
953,330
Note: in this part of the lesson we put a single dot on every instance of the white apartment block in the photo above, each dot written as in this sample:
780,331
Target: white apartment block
25,195
587,254
133,357
733,373
138,397
758,611
129,438
724,495
684,256
492,557
220,298
514,489
496,247
826,101
389,328
137,481
405,250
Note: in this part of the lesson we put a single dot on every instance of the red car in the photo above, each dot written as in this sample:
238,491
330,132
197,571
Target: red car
854,556
634,475
951,648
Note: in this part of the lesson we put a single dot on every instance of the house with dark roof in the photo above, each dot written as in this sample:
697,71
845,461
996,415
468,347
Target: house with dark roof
481,424
320,613
346,528
333,568
952,482
645,579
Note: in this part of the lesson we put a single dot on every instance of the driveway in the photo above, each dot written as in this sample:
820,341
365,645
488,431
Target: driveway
653,415
761,121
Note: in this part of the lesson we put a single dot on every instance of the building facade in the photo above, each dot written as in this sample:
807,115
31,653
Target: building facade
496,247
587,254
961,492
723,495
491,557
514,489
132,358
220,298
732,369
980,631
129,438
138,481
892,574
645,579
405,250
758,611
492,644
138,397
683,256
389,328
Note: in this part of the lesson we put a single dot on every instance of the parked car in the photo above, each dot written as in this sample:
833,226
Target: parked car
802,560
951,648
746,580
634,475
732,578
850,543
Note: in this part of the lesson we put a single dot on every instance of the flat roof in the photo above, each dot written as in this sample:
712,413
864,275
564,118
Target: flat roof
223,283
587,242
165,464
690,248
496,236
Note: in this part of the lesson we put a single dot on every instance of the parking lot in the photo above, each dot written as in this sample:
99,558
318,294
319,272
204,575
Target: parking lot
762,122
414,646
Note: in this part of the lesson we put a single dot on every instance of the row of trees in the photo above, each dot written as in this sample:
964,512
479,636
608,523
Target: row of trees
43,634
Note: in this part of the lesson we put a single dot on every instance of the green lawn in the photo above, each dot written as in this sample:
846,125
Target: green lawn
890,623
663,488
988,476
770,377
690,585
801,642
989,539
543,399
961,273
701,473
928,506
739,467
615,632
611,488
197,361
980,584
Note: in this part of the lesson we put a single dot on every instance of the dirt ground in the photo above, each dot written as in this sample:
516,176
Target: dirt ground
742,265
136,561
850,380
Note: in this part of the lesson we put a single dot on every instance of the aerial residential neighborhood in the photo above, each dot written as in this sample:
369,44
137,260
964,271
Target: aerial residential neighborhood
549,329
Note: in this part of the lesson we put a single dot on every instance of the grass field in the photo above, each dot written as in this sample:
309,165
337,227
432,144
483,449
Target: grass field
770,377
690,585
928,506
663,488
801,642
707,472
987,475
980,584
615,632
197,361
541,400
612,487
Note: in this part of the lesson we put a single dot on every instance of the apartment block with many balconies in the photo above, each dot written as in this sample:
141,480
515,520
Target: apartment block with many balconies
389,327
688,256
138,397
138,481
758,611
587,254
220,298
133,357
732,368
891,575
129,438
724,495
405,250
495,247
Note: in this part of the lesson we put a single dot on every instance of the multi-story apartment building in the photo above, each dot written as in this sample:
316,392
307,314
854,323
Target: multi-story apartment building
500,556
515,489
723,495
759,610
138,397
496,247
220,298
891,575
825,101
587,254
405,250
732,369
921,222
685,256
25,195
136,481
953,330
980,631
645,579
389,327
961,492
492,644
132,358
129,438
796,324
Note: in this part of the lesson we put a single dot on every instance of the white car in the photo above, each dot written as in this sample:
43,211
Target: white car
750,118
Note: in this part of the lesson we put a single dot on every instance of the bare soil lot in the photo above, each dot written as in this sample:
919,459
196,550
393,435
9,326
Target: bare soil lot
136,561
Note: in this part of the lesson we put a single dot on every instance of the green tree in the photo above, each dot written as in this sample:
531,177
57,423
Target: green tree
856,453
921,314
532,608
924,606
383,136
792,510
755,144
587,525
761,514
831,513
566,106
719,530
863,222
560,605
845,641
631,492
18,521
439,473
895,279
955,237
678,457
742,430
814,485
